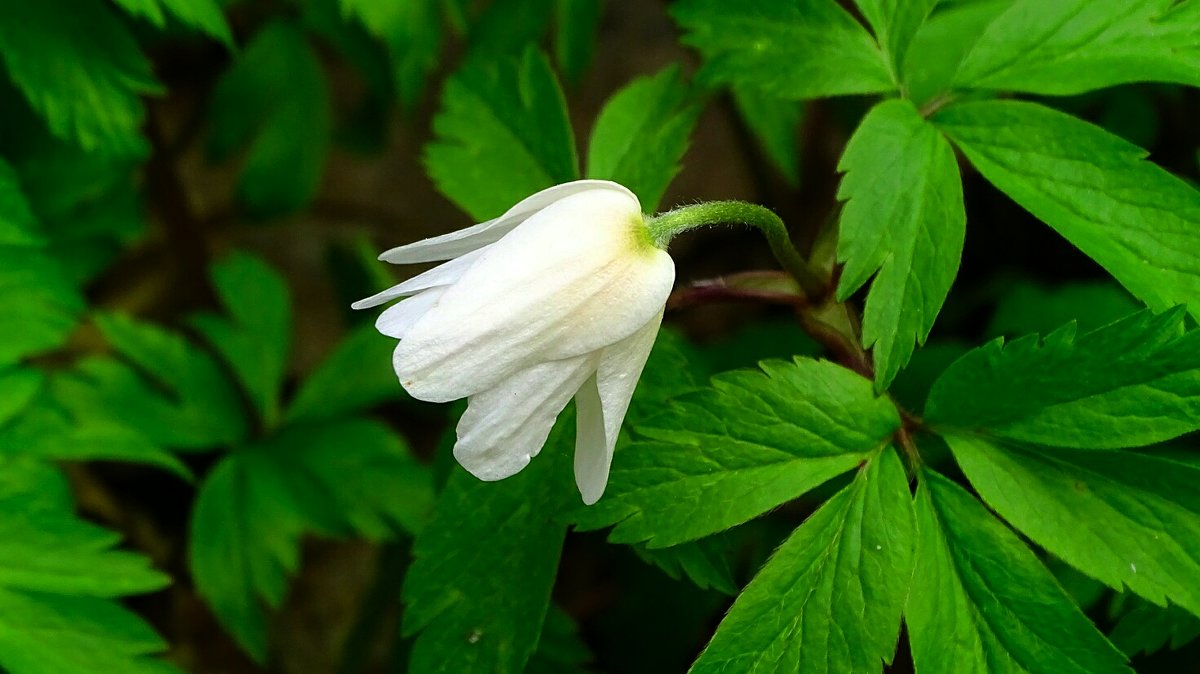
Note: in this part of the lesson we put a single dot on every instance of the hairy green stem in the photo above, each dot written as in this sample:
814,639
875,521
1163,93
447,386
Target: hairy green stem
665,226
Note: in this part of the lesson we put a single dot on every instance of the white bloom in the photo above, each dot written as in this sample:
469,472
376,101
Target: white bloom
561,296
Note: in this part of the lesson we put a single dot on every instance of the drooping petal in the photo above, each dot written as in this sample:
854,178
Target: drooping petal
441,275
463,241
601,405
397,319
503,428
573,279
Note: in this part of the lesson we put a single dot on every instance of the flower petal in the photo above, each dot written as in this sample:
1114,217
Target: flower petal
463,241
397,319
571,280
441,275
506,426
601,405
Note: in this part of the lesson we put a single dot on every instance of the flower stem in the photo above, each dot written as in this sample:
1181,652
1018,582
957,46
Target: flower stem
664,226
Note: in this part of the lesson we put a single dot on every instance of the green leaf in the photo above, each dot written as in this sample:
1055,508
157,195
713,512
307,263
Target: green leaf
18,227
641,135
1029,307
895,22
1073,46
276,99
1147,628
255,337
502,134
479,607
1131,383
729,453
775,123
829,599
164,388
346,478
560,649
796,49
576,26
41,305
1125,519
357,375
20,385
904,221
412,31
203,15
941,44
981,601
508,27
57,575
704,562
1138,221
81,69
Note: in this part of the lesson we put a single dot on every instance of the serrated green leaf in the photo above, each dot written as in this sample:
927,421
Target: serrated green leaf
1029,307
81,69
903,221
641,135
255,337
797,49
721,456
203,15
17,224
775,123
941,44
164,388
1138,221
1072,46
355,376
412,32
502,134
1122,518
276,99
1147,628
576,25
41,305
981,602
477,591
345,478
830,597
1131,383
895,22
704,562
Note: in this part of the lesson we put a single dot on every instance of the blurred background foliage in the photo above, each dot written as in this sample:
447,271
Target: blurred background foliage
204,454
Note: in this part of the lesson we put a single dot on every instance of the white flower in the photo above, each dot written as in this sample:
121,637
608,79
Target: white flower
561,296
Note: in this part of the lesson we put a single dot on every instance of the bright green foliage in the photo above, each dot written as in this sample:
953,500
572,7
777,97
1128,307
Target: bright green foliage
575,27
642,133
829,599
254,339
58,578
1093,188
204,15
161,386
1072,46
479,607
502,134
895,23
942,43
729,453
275,99
980,601
904,219
1131,383
1125,519
351,477
704,562
796,49
80,68
348,379
775,122
412,32
40,304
